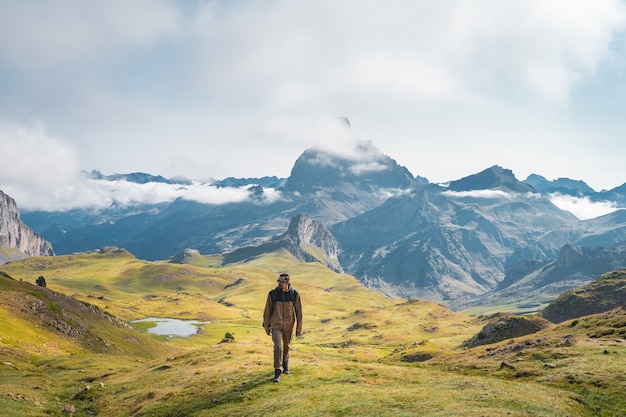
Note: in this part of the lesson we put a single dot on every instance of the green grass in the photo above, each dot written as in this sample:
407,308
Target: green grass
361,353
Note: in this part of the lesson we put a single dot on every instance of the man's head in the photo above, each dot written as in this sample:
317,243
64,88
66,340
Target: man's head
283,280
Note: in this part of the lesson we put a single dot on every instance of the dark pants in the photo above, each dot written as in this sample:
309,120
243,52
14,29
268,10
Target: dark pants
281,341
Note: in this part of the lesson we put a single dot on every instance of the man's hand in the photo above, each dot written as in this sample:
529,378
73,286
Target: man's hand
267,330
298,334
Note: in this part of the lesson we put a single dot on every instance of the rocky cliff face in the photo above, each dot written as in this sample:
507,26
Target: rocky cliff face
306,238
14,234
310,240
570,256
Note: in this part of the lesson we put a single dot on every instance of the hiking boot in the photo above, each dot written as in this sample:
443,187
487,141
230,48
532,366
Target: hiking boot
285,367
276,375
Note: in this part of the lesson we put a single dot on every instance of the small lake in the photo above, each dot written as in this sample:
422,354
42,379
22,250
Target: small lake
172,327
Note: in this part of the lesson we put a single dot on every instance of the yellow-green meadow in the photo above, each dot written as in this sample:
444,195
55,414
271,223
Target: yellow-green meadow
361,353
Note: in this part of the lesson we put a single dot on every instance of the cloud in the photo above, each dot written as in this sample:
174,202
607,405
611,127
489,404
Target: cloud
98,194
276,55
39,36
417,50
480,194
336,139
583,208
42,172
33,160
222,88
128,193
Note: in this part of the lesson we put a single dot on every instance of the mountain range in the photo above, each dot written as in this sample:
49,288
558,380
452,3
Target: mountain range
486,238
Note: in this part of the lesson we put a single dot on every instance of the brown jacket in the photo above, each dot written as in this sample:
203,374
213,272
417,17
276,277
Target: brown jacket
282,310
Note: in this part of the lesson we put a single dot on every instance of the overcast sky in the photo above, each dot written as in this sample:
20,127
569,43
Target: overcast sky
212,89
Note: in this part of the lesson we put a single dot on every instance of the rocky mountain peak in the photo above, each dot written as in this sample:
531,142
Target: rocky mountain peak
14,234
186,256
570,256
305,230
495,177
560,185
306,238
358,165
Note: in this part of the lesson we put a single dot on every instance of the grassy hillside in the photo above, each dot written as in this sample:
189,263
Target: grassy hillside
605,293
10,254
361,353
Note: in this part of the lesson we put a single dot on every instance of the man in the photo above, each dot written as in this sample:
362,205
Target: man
282,309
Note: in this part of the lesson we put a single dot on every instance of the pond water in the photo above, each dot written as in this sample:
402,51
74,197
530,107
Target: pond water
172,327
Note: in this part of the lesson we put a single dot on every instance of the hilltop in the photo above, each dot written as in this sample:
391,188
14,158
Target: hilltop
605,293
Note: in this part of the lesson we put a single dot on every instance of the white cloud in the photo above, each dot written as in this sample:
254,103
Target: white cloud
416,50
97,194
41,172
583,208
336,139
39,36
221,88
479,194
361,168
34,161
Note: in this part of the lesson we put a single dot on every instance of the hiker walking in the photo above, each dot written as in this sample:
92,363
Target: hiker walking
282,309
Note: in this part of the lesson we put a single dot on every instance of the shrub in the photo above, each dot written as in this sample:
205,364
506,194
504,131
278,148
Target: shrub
228,337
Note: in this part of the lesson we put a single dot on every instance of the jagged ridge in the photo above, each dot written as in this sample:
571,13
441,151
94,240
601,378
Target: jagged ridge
306,239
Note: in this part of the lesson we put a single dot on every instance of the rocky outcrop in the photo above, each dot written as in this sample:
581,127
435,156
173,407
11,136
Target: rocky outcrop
502,326
602,295
306,239
14,234
570,256
185,257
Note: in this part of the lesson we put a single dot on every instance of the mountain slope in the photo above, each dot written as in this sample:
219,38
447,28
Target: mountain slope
530,286
438,244
329,187
604,294
47,322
